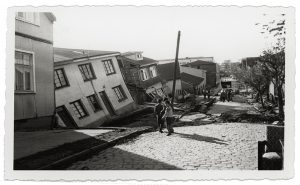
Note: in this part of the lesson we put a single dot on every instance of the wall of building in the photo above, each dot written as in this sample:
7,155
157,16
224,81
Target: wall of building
79,89
39,105
189,87
195,72
218,77
132,75
44,30
211,73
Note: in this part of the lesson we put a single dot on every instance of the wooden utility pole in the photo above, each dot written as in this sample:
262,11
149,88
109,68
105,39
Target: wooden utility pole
175,69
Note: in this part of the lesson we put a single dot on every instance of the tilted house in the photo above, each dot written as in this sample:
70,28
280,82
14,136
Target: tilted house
212,73
90,89
34,103
141,76
193,80
166,72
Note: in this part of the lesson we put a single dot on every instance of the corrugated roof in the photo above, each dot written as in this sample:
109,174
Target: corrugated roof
166,71
191,79
65,54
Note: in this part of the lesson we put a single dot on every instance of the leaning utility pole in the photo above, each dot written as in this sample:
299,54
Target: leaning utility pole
175,68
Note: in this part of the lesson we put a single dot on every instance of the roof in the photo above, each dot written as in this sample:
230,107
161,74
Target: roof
210,59
146,61
64,54
131,53
166,71
191,79
199,62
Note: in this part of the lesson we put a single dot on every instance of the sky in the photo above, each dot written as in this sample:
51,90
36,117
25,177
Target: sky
220,32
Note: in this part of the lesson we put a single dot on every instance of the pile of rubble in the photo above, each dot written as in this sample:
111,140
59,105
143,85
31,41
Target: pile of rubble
194,112
248,117
268,113
194,118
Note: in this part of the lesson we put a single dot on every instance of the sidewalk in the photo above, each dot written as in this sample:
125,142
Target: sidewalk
28,143
53,148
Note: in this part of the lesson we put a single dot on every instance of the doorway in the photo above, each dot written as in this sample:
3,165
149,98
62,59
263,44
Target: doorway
107,103
66,117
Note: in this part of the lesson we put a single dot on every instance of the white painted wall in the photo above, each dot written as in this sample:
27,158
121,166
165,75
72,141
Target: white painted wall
79,89
39,104
44,30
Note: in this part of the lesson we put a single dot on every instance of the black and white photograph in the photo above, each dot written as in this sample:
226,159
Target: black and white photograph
200,89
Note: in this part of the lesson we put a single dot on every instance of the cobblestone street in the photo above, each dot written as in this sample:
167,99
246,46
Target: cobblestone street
204,147
183,93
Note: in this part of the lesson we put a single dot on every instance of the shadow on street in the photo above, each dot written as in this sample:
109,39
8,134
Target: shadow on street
202,138
118,159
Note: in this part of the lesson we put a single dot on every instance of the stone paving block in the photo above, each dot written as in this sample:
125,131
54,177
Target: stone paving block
193,147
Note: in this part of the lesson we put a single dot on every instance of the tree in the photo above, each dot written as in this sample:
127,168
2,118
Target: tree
274,65
254,77
273,58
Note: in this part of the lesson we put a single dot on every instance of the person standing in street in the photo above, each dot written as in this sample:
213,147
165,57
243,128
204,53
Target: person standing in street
169,117
158,111
229,95
208,93
223,95
204,93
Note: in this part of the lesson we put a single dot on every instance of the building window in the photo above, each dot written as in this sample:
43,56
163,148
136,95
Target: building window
79,109
94,102
87,72
109,67
24,80
119,91
153,72
144,74
60,79
30,17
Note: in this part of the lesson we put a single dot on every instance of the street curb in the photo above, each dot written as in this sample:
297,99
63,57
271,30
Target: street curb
63,163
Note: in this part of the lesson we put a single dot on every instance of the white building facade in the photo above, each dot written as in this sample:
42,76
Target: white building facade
34,105
89,90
